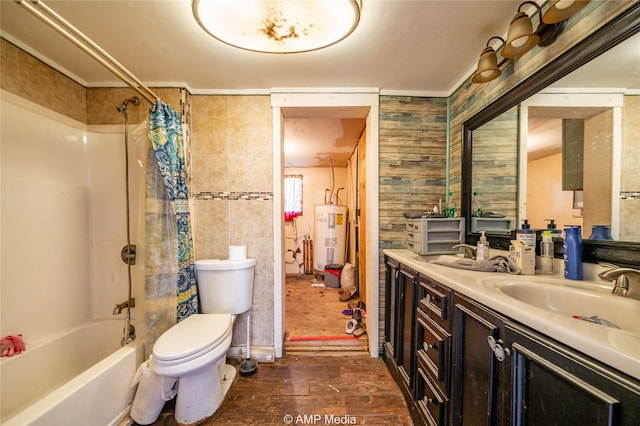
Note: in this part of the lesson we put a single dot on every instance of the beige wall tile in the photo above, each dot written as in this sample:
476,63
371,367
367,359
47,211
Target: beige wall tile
28,77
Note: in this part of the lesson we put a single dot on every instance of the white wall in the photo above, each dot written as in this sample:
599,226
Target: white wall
63,222
314,182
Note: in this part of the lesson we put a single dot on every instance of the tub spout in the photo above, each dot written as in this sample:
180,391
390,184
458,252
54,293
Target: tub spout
120,306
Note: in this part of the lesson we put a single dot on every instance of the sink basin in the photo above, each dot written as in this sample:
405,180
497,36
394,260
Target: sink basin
575,299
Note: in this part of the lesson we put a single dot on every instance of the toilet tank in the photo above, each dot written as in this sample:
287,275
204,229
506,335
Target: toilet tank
225,286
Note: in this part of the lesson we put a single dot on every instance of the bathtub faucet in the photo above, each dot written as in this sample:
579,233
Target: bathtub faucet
120,306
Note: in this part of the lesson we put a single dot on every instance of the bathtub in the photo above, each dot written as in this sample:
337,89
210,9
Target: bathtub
80,378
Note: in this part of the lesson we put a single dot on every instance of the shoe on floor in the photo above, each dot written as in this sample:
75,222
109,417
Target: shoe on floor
347,294
350,326
359,330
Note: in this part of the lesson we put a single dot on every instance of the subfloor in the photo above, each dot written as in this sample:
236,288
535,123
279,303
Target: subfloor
314,319
354,390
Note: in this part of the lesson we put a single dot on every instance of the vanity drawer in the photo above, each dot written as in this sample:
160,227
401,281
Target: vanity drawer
431,404
434,299
433,350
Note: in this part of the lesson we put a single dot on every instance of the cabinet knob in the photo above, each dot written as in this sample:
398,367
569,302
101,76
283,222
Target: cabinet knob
498,349
427,400
426,346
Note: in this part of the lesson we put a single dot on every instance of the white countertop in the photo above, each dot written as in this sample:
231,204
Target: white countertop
617,348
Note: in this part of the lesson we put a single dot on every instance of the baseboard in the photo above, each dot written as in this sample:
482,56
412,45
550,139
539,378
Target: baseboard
259,353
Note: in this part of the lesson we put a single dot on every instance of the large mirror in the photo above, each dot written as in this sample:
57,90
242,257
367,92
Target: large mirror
562,146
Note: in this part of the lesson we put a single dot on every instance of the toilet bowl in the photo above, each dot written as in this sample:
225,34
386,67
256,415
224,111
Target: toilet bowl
194,350
197,360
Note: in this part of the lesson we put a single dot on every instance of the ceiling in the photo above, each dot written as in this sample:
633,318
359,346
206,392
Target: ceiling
400,47
393,49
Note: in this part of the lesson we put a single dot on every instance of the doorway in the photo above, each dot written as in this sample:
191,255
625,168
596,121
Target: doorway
345,109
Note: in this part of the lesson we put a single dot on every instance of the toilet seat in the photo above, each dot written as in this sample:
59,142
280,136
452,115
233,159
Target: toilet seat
192,337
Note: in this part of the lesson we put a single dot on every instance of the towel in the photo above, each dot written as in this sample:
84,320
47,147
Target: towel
495,264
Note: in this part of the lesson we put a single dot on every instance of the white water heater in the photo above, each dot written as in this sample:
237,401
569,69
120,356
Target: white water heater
330,236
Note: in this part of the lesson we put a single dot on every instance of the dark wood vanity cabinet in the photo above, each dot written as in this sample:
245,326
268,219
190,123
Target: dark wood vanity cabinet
554,385
400,323
481,366
433,351
392,295
460,363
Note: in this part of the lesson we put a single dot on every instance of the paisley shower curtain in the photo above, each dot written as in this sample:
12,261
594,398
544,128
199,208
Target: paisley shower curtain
165,131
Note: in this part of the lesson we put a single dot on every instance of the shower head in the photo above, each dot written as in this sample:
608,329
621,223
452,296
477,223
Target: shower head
123,106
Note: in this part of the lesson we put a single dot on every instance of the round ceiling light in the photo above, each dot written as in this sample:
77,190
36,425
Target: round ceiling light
278,26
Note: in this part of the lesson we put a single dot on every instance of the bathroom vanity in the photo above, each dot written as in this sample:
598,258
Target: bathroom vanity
478,348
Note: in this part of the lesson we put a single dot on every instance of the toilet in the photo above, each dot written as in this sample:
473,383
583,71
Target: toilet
194,350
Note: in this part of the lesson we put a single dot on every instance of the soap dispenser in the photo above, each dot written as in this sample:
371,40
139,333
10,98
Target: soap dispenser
482,251
552,227
526,234
546,253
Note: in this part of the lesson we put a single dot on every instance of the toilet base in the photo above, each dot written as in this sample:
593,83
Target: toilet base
200,395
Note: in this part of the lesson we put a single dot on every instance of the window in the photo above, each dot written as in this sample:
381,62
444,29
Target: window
292,197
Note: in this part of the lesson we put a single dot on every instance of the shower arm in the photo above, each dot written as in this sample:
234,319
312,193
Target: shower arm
71,33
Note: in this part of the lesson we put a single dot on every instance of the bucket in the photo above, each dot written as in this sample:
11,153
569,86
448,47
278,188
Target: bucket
152,393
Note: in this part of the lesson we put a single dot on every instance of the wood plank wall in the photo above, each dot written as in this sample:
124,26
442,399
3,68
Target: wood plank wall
412,144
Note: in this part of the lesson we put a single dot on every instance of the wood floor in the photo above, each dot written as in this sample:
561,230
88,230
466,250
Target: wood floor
314,322
307,382
357,389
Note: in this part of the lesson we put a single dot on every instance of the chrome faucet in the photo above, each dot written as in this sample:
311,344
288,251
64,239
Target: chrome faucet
626,281
469,251
120,306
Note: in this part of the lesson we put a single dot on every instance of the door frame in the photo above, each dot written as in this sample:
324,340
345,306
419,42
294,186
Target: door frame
291,98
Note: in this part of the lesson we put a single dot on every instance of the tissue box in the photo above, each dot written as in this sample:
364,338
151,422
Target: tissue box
524,256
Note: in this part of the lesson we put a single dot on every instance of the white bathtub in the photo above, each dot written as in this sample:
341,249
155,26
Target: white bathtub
78,379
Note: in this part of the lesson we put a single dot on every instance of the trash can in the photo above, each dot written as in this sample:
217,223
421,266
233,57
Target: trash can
152,393
332,274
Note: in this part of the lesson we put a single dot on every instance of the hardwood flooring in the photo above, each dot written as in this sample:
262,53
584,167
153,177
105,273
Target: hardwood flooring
356,389
314,322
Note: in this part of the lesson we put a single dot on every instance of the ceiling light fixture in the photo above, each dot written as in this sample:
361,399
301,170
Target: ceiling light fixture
278,26
560,10
521,37
487,64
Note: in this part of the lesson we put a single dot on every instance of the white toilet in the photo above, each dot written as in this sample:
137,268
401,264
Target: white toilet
194,350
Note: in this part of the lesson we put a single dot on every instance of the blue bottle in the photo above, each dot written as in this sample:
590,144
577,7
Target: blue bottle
572,246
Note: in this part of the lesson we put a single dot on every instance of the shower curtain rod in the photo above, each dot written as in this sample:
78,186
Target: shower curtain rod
71,33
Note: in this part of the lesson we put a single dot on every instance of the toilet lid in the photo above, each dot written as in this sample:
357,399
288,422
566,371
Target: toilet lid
197,333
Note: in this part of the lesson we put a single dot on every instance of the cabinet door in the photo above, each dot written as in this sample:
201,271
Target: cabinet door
481,382
406,360
554,385
391,307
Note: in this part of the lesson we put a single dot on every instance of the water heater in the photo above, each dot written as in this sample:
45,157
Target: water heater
330,236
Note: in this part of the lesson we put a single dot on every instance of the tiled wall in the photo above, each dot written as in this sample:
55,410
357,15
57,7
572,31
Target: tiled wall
28,77
232,180
630,185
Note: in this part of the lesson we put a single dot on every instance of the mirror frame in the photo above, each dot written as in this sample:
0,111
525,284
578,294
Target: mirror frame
616,31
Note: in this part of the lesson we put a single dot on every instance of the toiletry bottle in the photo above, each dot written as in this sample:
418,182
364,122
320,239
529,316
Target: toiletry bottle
572,246
450,210
482,252
551,226
477,205
546,253
526,234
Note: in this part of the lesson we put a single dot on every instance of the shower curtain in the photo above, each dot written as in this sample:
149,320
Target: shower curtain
165,130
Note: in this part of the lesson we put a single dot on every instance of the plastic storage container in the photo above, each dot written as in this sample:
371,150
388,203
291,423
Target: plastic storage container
434,235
